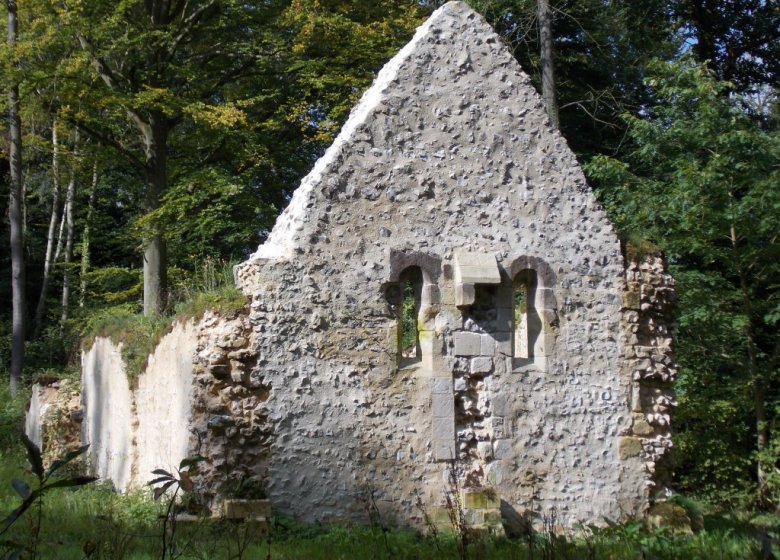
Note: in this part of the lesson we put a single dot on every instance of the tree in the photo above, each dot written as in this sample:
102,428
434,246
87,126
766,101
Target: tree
15,211
701,181
740,39
601,53
54,220
68,227
546,61
160,63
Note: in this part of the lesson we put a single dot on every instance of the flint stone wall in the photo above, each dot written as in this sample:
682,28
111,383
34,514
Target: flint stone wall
448,164
53,418
450,151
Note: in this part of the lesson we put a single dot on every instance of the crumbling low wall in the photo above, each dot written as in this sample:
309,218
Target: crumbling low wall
648,317
134,430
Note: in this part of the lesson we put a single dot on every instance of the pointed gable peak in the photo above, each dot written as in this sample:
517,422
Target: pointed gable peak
454,54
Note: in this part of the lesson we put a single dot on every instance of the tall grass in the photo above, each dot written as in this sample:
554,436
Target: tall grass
96,517
95,522
210,287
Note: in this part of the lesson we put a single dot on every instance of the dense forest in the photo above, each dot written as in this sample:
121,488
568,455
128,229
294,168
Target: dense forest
147,141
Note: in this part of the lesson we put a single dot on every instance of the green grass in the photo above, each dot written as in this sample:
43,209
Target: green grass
128,527
637,248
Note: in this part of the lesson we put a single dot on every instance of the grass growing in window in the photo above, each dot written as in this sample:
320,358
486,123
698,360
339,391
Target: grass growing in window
409,335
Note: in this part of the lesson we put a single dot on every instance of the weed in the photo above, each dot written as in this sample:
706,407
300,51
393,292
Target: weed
34,497
455,509
181,481
368,499
433,530
637,249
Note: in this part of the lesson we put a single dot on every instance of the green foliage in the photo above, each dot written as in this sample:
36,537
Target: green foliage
210,287
408,318
11,418
180,481
520,290
75,516
771,455
46,481
112,285
119,522
701,181
211,211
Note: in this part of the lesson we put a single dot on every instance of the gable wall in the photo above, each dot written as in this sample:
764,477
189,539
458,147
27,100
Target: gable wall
430,163
304,393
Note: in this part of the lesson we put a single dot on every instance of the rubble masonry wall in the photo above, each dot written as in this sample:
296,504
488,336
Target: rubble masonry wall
447,164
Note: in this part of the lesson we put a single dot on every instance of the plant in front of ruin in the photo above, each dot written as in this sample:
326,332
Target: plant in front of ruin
368,500
456,511
182,483
46,480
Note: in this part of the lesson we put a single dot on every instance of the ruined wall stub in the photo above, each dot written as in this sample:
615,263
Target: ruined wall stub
448,172
134,428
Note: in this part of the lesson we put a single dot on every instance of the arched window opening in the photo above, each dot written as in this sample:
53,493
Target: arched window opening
527,323
411,283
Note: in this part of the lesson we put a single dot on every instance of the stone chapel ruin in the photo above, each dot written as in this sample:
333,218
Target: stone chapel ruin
540,364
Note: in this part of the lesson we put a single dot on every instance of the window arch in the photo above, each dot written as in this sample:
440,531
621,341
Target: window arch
534,316
413,295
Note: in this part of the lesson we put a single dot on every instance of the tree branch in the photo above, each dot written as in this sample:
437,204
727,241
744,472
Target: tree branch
102,68
189,23
111,81
137,163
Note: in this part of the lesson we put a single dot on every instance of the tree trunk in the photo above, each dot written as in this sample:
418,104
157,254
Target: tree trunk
756,377
155,134
85,236
54,219
701,17
68,219
15,210
546,61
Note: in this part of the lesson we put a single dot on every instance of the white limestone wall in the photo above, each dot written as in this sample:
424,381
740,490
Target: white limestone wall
450,151
108,412
32,420
132,431
163,404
